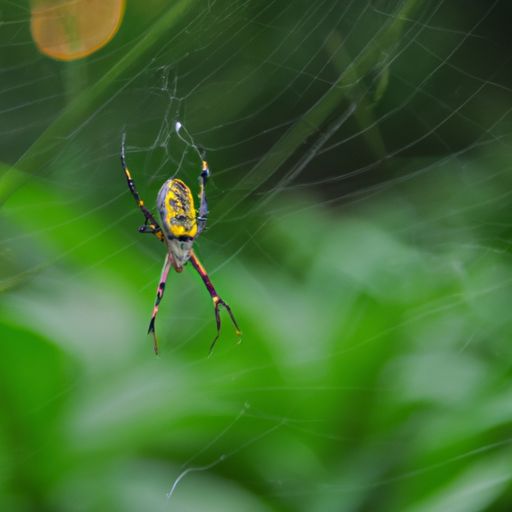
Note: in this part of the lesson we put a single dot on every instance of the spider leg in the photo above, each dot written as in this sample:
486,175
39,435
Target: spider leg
203,204
159,294
217,301
203,177
151,225
147,228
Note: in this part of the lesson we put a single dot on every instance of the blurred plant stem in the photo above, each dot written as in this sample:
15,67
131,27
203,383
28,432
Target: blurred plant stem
338,96
38,158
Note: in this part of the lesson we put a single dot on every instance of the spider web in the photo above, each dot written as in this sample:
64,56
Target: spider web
359,228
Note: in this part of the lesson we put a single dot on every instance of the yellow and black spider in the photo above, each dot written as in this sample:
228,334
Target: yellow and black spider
180,228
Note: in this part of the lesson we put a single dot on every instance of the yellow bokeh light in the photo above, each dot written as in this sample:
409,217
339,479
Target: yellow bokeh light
73,29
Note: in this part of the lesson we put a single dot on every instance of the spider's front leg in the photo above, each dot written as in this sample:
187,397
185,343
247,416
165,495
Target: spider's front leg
159,294
217,301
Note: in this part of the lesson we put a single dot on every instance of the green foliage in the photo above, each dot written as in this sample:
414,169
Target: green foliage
373,373
372,369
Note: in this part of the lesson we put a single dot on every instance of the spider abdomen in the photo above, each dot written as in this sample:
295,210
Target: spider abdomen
176,207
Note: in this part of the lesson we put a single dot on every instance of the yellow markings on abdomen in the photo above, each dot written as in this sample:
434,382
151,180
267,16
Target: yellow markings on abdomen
177,211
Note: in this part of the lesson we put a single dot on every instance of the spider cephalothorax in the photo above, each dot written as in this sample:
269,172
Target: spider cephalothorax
180,226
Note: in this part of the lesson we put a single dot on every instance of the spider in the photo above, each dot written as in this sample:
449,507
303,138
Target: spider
180,227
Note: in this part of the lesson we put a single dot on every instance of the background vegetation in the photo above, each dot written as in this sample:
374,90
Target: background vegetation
360,229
